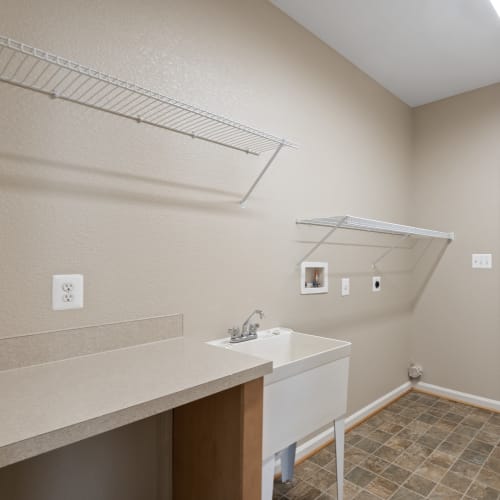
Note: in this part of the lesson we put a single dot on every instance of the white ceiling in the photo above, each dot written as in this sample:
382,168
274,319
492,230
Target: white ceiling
420,50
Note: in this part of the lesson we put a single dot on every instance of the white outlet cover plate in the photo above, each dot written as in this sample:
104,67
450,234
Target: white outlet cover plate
67,291
482,261
376,283
346,287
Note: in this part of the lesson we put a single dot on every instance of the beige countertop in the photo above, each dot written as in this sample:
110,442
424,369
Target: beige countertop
46,406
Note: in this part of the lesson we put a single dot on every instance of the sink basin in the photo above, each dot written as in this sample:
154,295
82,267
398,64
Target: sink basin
291,352
306,391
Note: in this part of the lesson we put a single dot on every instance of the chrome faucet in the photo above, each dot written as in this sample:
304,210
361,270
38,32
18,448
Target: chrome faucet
248,330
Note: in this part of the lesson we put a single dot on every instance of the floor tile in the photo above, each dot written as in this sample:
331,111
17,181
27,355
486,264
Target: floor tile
456,482
306,469
441,492
391,428
445,425
352,438
322,457
489,478
480,446
481,492
386,453
355,455
399,443
418,427
322,479
431,471
465,430
380,436
360,477
493,464
365,495
465,469
409,462
405,494
420,450
488,437
441,459
302,491
395,474
429,441
473,457
350,491
382,487
453,417
368,445
420,484
473,421
375,464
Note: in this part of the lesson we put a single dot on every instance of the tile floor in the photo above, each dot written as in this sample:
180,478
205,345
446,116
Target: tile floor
420,446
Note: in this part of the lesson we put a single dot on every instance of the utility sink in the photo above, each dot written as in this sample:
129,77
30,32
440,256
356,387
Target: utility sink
306,391
291,352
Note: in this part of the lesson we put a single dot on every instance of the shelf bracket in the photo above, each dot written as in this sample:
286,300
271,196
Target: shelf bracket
389,250
264,170
320,242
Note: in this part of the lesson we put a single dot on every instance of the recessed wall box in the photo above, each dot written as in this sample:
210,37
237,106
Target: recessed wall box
313,277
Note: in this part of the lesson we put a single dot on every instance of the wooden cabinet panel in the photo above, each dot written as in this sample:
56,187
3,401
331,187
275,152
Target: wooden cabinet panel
217,446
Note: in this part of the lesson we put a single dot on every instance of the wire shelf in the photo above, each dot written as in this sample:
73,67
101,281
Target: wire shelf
35,69
372,225
377,226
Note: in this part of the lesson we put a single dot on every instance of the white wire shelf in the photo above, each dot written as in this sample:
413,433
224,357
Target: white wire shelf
372,225
34,69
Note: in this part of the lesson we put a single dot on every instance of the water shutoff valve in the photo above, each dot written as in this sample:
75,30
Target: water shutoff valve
415,371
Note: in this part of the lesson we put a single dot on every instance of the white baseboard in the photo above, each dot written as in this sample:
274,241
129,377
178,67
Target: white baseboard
490,404
322,438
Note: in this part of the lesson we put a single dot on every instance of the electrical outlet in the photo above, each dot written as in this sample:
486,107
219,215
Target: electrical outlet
482,261
67,291
346,287
376,283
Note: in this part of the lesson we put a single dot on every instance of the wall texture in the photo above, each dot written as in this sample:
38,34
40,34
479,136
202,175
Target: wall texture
457,188
152,218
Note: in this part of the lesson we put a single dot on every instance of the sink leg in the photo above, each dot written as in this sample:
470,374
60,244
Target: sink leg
339,449
287,457
267,478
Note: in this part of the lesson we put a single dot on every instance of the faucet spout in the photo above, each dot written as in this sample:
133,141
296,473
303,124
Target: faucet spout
244,328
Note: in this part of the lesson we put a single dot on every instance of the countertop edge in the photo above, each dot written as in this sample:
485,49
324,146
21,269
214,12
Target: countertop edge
37,445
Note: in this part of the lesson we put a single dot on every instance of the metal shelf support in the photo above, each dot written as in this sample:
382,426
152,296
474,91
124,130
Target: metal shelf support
322,240
389,250
264,170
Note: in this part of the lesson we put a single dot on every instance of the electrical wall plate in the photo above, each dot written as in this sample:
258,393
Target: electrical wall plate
376,283
482,261
313,277
345,287
67,291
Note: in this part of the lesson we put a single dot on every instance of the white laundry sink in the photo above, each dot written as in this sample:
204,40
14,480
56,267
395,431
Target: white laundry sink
306,391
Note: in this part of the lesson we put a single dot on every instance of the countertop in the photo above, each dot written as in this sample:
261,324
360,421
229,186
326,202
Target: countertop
46,406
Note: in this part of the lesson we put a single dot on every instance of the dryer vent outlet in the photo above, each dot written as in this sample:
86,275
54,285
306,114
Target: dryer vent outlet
415,371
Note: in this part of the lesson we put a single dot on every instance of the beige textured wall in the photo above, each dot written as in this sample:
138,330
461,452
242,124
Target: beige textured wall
457,187
151,218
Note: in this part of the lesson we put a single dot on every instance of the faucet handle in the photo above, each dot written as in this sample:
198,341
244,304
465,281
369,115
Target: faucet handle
234,332
253,328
